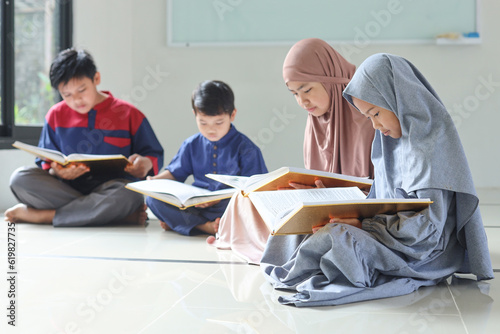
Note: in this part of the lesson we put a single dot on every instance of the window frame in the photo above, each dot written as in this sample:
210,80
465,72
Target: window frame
9,132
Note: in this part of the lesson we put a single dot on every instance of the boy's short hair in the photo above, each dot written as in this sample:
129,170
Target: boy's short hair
71,63
213,98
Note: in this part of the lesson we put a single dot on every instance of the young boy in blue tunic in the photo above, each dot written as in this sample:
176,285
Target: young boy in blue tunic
219,149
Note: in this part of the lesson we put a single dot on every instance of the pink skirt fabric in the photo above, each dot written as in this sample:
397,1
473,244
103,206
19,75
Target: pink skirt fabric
242,230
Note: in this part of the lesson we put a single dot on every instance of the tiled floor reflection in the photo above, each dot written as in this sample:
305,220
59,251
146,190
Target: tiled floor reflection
145,280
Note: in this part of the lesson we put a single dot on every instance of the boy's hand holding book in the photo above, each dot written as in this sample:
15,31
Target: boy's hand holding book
138,166
68,172
95,163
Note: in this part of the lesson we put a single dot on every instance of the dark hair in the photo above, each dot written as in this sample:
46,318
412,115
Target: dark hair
213,98
69,64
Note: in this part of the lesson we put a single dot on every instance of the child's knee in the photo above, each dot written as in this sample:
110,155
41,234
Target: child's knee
151,202
20,178
133,199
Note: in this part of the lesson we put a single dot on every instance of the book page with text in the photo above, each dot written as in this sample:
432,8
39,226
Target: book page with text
180,190
234,181
272,204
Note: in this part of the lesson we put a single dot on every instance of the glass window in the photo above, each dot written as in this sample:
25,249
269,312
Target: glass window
30,41
35,48
1,72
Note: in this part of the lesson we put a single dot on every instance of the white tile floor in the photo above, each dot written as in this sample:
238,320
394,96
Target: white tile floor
145,280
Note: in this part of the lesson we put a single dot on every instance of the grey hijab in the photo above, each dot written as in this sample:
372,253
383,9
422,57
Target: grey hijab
429,153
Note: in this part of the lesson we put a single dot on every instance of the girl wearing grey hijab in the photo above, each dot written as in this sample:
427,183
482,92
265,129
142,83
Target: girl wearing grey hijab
416,153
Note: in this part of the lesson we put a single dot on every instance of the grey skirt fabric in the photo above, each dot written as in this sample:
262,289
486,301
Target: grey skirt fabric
343,264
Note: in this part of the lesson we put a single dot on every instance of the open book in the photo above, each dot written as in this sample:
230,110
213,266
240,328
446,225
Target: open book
280,178
179,194
96,162
297,211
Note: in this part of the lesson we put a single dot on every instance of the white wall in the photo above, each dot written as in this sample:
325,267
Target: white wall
128,41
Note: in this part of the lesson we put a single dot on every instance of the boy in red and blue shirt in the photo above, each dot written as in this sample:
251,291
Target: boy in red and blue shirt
87,121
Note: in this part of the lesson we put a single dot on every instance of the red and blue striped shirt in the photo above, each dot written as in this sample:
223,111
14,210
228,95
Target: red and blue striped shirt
110,127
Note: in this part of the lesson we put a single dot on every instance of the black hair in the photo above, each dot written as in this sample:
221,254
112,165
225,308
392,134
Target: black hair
71,63
213,98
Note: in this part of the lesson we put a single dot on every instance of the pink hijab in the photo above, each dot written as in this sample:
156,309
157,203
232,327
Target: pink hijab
340,140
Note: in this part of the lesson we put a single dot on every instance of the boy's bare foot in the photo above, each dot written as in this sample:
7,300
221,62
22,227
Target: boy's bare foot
165,226
139,217
216,225
209,227
21,213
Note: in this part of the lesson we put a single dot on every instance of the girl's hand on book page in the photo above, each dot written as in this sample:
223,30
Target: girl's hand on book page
316,228
317,184
349,221
139,166
69,172
294,185
287,188
206,205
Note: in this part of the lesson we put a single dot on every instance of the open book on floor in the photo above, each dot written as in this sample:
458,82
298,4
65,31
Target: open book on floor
179,194
297,211
280,178
97,163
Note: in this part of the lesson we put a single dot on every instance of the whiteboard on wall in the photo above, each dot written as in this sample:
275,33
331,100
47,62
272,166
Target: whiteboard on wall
275,22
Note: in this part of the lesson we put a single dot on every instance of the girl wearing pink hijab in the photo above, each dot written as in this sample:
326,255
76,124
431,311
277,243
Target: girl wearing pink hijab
337,138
